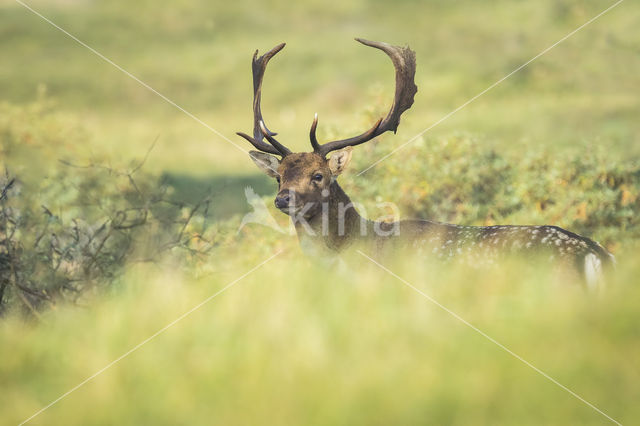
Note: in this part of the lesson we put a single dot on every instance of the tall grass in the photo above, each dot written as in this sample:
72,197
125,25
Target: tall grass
293,344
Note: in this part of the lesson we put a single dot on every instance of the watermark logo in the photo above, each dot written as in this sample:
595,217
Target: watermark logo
260,214
323,218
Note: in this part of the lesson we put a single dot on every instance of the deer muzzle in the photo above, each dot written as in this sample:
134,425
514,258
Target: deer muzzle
285,199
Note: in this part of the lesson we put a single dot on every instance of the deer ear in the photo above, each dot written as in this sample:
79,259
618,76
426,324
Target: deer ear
339,160
265,162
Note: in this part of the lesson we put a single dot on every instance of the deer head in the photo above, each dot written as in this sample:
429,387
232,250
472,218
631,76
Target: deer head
305,178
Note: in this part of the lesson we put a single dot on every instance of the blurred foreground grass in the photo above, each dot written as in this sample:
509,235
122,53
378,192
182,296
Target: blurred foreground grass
293,343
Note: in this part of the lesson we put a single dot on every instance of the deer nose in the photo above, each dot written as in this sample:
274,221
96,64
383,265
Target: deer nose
282,200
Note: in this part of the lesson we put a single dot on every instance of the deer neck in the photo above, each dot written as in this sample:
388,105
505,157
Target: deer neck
334,227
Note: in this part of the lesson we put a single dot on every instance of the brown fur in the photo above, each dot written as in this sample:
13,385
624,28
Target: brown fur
333,224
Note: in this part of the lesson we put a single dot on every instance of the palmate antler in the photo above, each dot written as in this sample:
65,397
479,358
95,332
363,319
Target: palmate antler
258,66
404,61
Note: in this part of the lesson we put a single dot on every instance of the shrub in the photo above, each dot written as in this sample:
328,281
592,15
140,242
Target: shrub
458,180
67,231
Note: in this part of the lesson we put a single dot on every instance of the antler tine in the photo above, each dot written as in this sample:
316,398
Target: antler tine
404,61
259,145
284,151
260,130
312,134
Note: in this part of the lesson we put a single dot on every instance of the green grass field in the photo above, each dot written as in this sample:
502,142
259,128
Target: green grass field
291,342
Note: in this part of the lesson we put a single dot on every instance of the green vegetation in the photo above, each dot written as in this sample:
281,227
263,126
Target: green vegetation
121,214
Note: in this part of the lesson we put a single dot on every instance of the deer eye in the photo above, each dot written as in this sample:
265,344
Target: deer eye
278,179
317,177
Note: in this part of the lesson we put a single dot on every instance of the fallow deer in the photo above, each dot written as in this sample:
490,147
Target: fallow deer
327,222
